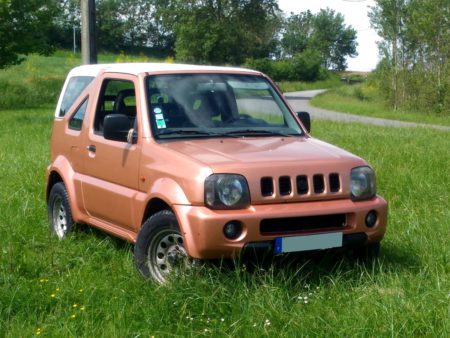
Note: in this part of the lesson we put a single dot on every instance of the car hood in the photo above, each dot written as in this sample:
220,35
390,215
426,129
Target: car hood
239,152
275,159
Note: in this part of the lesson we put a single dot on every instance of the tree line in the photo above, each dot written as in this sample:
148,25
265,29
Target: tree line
196,31
415,68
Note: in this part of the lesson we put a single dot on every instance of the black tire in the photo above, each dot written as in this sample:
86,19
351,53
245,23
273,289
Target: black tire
159,247
59,211
368,252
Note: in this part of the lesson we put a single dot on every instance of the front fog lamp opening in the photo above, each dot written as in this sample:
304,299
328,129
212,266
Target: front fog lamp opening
371,219
232,230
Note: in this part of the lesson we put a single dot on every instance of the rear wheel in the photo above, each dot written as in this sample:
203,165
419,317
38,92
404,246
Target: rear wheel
59,212
159,251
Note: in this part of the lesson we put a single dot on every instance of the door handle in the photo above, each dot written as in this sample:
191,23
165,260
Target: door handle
91,148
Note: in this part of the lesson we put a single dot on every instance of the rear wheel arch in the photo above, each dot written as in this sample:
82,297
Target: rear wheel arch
62,171
53,178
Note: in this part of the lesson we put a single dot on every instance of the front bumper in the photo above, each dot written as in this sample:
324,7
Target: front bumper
203,228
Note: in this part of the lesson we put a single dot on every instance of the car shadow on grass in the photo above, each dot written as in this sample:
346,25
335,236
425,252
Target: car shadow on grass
310,268
307,267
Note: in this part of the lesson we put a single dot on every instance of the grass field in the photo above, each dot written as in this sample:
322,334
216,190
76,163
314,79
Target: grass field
365,100
87,285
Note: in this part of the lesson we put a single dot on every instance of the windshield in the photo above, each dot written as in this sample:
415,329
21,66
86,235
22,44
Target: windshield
212,105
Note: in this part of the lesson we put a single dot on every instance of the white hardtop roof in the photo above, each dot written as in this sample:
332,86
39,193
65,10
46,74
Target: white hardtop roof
138,68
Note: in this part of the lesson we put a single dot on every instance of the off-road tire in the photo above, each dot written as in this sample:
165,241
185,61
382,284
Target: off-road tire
59,211
159,248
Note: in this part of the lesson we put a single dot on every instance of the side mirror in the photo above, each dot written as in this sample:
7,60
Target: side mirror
116,127
305,119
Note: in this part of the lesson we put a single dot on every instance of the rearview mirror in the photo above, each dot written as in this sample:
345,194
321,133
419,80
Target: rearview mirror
116,127
305,119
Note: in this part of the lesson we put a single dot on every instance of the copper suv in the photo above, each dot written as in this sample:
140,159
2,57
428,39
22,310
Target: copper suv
194,162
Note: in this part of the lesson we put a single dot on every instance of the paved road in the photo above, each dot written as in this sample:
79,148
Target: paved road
300,102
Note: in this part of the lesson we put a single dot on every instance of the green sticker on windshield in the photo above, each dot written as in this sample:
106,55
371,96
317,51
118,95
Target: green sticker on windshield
160,124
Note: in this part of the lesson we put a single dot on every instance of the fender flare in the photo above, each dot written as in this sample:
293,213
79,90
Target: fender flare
63,168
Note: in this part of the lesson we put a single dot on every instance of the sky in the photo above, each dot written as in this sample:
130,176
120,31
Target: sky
355,13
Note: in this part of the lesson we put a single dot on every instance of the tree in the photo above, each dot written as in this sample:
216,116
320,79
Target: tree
24,28
298,29
416,53
388,19
222,31
325,32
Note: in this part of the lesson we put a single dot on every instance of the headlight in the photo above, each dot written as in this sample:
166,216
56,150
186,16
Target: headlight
362,183
226,191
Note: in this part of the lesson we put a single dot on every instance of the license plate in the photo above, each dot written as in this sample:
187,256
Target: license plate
308,242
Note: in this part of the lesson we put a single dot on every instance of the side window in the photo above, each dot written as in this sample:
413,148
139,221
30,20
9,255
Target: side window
74,88
116,97
76,120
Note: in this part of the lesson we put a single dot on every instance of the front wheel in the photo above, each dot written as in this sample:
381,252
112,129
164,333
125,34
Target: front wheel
59,212
159,249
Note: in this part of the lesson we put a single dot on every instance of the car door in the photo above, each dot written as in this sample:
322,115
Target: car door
110,171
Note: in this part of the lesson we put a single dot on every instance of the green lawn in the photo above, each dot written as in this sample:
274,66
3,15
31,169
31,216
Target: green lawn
38,80
87,285
364,100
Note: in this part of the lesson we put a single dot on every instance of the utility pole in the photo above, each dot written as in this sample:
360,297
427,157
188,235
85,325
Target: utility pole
74,39
88,40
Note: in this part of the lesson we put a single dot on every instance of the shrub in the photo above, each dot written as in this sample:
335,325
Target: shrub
305,66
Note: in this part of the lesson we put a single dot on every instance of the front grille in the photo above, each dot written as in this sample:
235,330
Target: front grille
285,185
303,185
335,185
319,185
266,186
275,226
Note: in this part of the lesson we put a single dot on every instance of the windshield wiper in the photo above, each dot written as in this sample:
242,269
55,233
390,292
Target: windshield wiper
185,132
257,132
194,132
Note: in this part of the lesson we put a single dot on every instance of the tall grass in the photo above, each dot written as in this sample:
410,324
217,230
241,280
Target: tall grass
293,86
87,285
37,81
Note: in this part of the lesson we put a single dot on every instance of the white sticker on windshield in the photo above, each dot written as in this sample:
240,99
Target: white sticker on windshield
157,110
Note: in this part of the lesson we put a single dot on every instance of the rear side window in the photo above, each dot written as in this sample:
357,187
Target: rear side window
76,120
74,88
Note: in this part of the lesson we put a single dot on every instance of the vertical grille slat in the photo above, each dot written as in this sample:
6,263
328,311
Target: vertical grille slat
285,186
302,185
319,184
266,186
335,184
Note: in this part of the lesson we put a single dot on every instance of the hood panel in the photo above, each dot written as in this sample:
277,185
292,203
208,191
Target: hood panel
217,152
274,157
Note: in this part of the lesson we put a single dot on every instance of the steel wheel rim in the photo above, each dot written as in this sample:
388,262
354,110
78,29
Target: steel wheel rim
59,217
166,253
